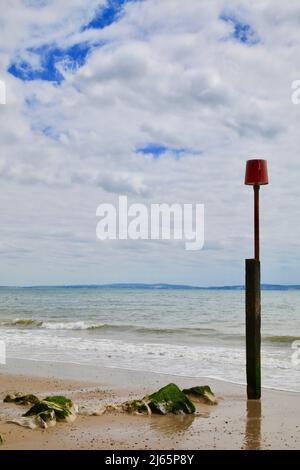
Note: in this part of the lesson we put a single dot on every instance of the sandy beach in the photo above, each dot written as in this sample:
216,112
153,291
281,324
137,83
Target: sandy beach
233,424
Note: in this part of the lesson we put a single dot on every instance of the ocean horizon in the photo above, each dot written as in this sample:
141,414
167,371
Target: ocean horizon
264,286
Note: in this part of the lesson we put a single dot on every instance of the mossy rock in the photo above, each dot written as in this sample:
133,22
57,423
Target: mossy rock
62,407
136,407
20,399
201,393
60,400
38,408
170,399
47,418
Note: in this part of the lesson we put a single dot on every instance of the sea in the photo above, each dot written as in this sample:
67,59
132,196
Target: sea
184,332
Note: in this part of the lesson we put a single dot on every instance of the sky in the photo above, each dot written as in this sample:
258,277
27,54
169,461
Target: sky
159,100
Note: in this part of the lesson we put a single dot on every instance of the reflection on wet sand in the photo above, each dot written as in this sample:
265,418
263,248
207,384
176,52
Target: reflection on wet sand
171,424
253,425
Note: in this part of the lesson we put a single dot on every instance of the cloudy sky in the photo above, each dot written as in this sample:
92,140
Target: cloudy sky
159,100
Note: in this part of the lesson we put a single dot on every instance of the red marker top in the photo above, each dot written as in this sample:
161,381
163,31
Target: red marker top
256,172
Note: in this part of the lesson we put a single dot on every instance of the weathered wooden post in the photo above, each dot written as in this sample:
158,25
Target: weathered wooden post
256,175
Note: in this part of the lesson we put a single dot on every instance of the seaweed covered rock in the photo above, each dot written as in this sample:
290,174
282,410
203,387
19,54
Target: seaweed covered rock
47,418
170,399
138,407
20,399
202,394
62,407
61,401
44,413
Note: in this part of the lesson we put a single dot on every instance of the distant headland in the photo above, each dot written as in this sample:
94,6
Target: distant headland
157,286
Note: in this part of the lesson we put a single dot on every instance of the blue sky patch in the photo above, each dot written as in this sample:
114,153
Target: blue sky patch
73,57
106,15
157,150
50,56
48,132
242,32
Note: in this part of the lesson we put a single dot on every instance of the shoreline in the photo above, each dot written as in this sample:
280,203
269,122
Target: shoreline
234,423
90,373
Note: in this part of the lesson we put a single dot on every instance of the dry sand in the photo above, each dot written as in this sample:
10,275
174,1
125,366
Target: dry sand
233,424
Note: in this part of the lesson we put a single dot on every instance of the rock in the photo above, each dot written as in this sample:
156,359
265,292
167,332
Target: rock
63,408
202,394
138,407
47,418
34,422
98,410
1,440
170,399
43,413
60,400
92,410
20,399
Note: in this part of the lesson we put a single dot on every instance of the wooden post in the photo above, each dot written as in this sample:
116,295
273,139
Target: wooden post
256,221
253,339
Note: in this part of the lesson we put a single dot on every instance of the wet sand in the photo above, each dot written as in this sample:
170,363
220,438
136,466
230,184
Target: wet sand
234,423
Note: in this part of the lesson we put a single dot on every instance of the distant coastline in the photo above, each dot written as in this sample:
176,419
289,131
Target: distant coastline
157,286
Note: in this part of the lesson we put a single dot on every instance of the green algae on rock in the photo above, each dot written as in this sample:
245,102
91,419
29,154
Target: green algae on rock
60,400
137,407
201,394
20,399
47,418
43,413
170,399
63,408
